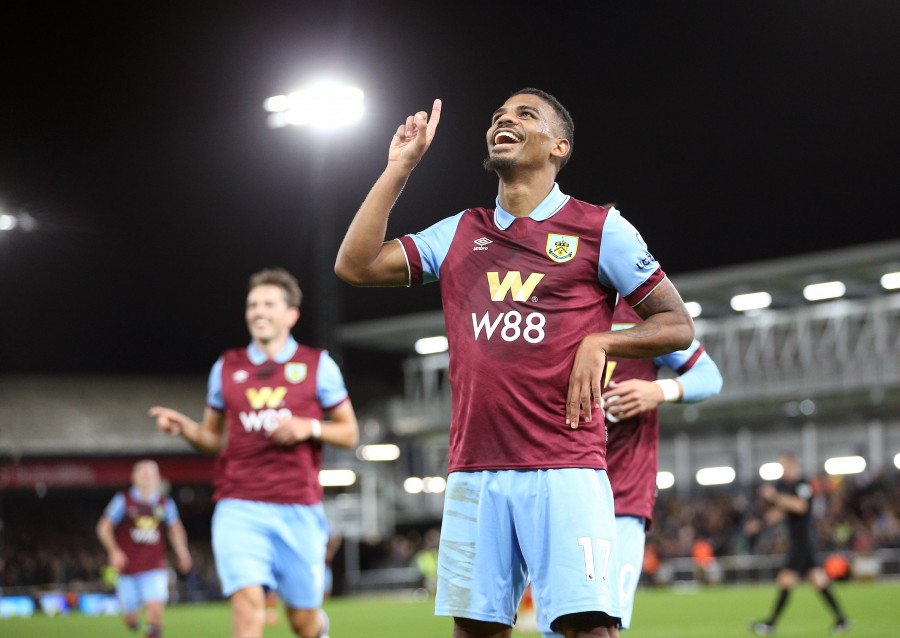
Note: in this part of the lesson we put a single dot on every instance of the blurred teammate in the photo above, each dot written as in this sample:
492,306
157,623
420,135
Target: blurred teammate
791,498
528,296
631,401
130,531
264,414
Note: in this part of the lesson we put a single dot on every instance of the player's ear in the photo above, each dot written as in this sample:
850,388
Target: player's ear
560,147
295,316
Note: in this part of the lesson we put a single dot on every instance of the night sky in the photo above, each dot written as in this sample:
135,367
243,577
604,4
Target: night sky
134,134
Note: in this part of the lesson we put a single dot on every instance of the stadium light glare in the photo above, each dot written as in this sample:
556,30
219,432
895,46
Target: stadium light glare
7,222
715,475
751,301
434,484
824,290
432,345
413,485
890,280
693,308
665,480
897,460
337,478
324,105
845,465
771,471
379,452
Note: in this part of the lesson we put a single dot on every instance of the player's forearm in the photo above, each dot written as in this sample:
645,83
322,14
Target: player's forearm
657,335
178,538
359,253
202,438
106,535
342,434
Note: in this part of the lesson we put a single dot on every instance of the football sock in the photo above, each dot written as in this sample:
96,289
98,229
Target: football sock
779,605
325,623
829,598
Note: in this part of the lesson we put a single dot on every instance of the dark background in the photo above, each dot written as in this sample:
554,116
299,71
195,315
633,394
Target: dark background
134,134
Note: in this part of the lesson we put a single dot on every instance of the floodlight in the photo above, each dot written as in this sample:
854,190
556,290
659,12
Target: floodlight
665,480
380,452
434,484
845,465
337,478
715,475
432,345
751,301
771,471
413,485
693,308
825,290
890,280
7,222
325,105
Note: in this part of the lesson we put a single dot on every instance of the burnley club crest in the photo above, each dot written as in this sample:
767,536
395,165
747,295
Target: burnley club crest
561,248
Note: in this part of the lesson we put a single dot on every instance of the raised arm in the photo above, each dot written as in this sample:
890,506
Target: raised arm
364,258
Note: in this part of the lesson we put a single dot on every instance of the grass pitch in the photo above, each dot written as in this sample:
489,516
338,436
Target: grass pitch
719,612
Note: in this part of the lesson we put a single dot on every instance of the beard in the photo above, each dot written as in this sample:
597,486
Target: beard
497,164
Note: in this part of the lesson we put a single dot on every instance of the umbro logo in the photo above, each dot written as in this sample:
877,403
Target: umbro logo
482,243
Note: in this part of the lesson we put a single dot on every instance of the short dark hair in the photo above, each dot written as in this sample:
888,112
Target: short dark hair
565,120
281,278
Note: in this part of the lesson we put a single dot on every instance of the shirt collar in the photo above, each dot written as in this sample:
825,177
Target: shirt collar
555,200
258,357
136,495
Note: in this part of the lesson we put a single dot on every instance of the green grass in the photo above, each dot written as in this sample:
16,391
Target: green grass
687,613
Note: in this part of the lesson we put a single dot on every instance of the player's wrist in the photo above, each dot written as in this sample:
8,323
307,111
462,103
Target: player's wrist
670,388
315,429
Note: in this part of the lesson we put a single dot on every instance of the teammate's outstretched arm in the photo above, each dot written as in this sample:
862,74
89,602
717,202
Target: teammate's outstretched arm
208,436
667,327
364,259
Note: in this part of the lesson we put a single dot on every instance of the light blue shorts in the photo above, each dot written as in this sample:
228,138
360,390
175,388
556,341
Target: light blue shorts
502,527
136,590
631,535
630,530
278,546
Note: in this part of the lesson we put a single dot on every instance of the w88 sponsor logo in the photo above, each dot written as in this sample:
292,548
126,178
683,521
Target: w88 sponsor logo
532,330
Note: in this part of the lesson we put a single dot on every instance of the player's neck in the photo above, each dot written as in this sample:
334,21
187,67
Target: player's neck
272,347
520,194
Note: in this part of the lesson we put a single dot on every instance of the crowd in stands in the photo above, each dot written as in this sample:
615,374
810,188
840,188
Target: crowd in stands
51,539
857,514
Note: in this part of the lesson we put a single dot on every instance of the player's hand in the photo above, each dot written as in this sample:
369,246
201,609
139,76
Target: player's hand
291,430
768,492
414,137
585,380
184,562
117,559
627,399
169,421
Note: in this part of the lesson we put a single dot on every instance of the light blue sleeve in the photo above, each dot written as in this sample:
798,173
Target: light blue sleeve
214,396
433,244
702,381
115,511
330,388
171,512
625,263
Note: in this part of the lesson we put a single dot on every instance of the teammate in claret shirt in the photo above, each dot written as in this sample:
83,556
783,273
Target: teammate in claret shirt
528,290
265,414
130,530
631,398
